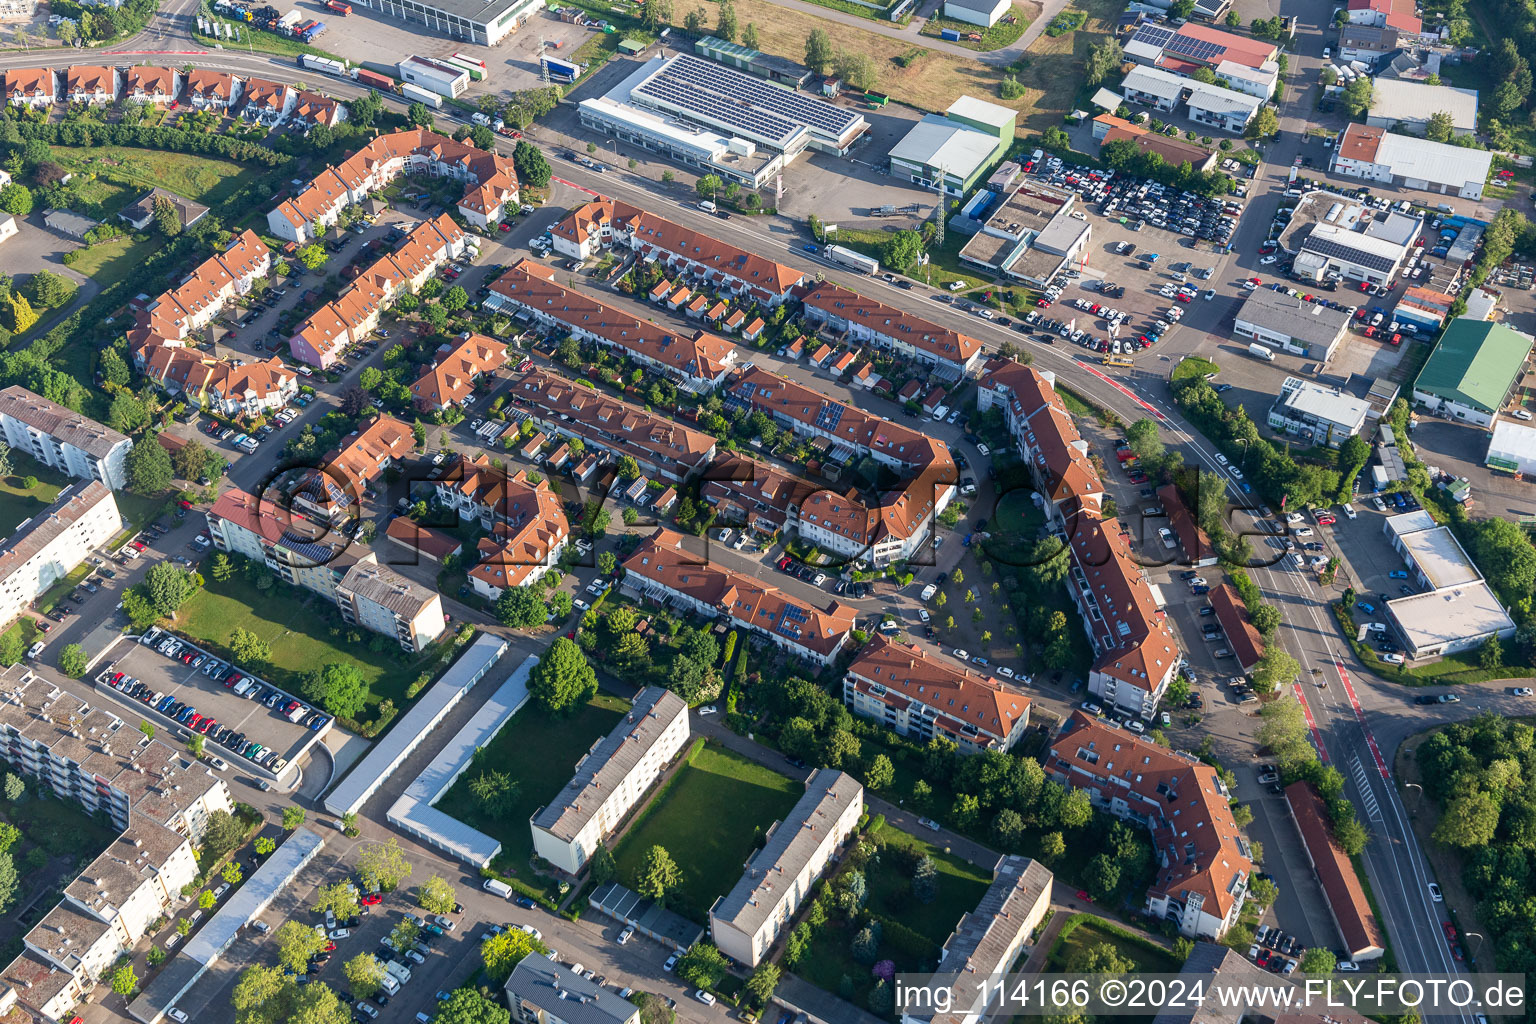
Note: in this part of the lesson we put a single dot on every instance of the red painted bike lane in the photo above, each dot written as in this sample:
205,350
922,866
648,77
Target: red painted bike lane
1354,702
1317,737
1127,392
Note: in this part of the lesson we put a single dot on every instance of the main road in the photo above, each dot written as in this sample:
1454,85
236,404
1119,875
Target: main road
1341,714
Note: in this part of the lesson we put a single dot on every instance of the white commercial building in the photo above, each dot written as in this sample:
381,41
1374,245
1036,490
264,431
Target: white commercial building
976,12
1398,101
1317,414
1379,155
1457,611
1281,320
746,921
1225,109
1336,252
45,548
63,439
611,779
1512,448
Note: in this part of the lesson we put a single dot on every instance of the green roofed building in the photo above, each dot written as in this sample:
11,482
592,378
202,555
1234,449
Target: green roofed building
1472,371
961,147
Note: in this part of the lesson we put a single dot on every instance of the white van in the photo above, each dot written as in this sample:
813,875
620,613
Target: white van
708,206
498,887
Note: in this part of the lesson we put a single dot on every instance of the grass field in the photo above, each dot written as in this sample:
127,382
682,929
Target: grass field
540,753
296,624
1080,935
995,38
18,502
208,180
709,818
1051,69
109,262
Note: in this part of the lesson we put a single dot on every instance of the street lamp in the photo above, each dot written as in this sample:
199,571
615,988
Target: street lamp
1415,785
1472,953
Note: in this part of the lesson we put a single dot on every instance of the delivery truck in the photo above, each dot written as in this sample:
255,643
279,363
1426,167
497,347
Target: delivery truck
417,94
1263,352
373,78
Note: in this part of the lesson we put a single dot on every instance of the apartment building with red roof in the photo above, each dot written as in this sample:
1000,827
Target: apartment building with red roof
869,321
146,83
1203,861
1136,654
212,90
85,83
309,214
348,473
311,110
31,87
683,251
527,522
1399,14
251,389
266,102
455,371
663,448
920,695
661,570
698,360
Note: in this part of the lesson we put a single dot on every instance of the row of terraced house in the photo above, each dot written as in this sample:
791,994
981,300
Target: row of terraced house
256,99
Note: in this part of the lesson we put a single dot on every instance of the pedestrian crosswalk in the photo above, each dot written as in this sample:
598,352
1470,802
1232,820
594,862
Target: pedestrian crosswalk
1367,797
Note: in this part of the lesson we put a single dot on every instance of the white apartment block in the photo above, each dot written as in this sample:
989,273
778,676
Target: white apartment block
378,598
266,535
64,439
45,548
611,779
153,792
746,921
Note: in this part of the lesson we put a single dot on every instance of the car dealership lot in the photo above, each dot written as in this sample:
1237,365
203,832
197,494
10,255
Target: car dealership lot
189,685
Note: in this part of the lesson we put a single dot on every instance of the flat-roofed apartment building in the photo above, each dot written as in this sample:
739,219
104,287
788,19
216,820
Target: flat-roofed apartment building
697,360
611,778
562,408
989,939
1316,413
45,548
380,599
62,438
158,796
1204,862
746,921
300,552
661,569
912,338
1136,655
920,696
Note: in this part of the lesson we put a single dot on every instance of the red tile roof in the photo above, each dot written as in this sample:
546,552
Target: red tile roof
1360,142
1346,898
1243,640
924,335
957,696
1195,541
451,378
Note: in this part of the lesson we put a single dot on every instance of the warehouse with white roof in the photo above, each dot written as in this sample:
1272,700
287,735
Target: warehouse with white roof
1397,101
1376,154
1457,610
1512,448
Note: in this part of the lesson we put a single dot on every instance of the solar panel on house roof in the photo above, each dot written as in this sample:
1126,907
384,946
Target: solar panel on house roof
697,85
1334,250
1199,49
829,416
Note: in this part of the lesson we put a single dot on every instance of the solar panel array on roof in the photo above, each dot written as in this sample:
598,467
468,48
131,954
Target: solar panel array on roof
1198,49
830,415
732,98
1152,36
1334,250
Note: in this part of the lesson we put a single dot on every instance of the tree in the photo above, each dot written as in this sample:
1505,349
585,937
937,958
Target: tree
169,587
72,661
12,647
264,845
856,69
879,773
20,315
703,965
16,199
469,1006
653,1009
1007,828
693,21
221,568
405,933
339,687
1102,875
49,289
1317,960
1441,127
14,787
124,982
656,15
149,466
520,608
383,865
436,895
562,681
313,256
167,220
818,57
221,834
1263,892
248,648
1100,958
339,898
1357,96
496,790
1469,820
725,21
1052,846
659,875
9,882
629,469
708,186
364,974
297,944
1274,668
925,881
1103,59
766,978
293,817
192,460
902,249
455,299
1264,124
750,41
601,866
1184,9
503,952
205,900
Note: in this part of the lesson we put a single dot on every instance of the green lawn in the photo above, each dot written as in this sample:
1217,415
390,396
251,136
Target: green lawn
18,502
540,752
1079,936
107,263
1194,366
710,818
297,625
208,180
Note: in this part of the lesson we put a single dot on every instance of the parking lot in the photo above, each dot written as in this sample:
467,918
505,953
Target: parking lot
248,717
